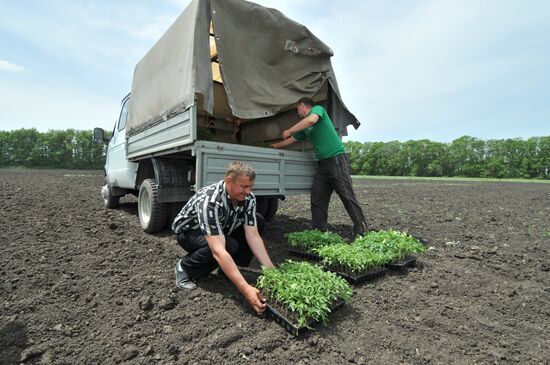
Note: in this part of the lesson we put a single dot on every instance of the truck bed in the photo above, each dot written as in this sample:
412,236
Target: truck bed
167,137
279,172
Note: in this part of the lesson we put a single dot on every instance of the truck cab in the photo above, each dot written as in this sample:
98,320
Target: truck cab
121,171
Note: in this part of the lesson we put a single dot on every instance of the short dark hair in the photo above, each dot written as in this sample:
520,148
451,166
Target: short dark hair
306,101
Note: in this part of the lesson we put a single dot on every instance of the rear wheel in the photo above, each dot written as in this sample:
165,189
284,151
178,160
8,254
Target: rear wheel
152,214
267,206
272,208
109,200
173,211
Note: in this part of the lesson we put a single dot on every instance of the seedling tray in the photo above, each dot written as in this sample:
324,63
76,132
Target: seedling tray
304,254
358,278
273,311
249,273
402,265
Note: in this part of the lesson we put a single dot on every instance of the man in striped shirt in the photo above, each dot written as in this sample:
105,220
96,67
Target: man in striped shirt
219,227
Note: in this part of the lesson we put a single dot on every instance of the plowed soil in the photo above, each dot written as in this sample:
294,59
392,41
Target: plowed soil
84,285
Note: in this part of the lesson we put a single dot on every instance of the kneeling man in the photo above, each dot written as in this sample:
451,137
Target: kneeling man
219,227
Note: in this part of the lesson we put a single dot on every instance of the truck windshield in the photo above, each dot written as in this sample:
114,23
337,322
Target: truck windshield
123,116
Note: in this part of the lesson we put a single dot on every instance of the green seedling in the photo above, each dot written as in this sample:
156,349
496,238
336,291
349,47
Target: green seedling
393,245
310,239
353,258
306,290
375,249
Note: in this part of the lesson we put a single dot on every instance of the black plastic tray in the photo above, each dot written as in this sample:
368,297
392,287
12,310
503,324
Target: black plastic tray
362,277
304,254
288,325
249,273
402,265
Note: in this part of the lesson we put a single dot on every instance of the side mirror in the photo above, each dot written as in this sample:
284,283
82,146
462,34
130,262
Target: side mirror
99,135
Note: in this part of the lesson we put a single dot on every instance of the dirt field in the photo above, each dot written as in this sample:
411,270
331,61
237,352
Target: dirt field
84,285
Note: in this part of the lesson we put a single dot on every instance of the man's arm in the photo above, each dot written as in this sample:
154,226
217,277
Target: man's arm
257,245
284,143
228,266
301,125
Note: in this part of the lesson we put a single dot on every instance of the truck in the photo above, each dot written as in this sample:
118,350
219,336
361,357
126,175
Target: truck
220,85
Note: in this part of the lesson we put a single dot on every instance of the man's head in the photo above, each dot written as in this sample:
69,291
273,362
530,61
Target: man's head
239,180
303,106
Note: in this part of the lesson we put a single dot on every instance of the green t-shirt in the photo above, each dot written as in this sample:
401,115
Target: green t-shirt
322,135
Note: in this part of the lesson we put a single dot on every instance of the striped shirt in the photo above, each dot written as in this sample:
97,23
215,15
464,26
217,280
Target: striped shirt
211,210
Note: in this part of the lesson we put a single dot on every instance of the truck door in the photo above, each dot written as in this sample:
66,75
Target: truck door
120,172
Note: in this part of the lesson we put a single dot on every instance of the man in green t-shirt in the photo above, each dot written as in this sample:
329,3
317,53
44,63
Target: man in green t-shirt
332,172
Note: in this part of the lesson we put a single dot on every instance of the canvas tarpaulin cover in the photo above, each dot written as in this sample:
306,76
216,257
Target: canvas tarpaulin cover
267,63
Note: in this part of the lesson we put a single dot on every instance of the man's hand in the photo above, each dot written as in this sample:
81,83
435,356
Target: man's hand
286,134
228,266
284,143
255,299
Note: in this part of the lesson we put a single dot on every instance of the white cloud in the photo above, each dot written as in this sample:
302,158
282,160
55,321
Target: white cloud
10,67
45,107
412,69
405,68
96,35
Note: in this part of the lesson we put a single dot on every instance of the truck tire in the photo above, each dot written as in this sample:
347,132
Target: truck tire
267,206
109,200
271,208
173,211
152,214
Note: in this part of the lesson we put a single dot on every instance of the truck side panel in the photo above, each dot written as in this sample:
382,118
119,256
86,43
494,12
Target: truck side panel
279,172
166,137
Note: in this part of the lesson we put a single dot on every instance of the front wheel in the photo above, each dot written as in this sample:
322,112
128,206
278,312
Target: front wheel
109,200
152,214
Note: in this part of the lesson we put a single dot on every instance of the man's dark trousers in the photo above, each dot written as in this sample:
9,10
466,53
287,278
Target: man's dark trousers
200,261
333,174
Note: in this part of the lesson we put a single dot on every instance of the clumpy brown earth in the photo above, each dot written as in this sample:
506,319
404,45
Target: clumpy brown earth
84,285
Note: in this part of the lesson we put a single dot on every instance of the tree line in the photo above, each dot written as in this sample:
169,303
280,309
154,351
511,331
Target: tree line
64,149
465,156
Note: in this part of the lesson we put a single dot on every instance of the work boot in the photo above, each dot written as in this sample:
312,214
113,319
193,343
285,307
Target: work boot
183,281
360,229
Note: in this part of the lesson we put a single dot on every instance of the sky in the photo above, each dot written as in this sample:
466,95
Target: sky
407,69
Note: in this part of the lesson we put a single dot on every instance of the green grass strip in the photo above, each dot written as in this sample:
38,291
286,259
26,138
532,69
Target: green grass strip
461,179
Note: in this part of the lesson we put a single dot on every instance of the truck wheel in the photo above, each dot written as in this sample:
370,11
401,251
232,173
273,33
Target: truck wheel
272,208
109,200
173,211
267,206
152,214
